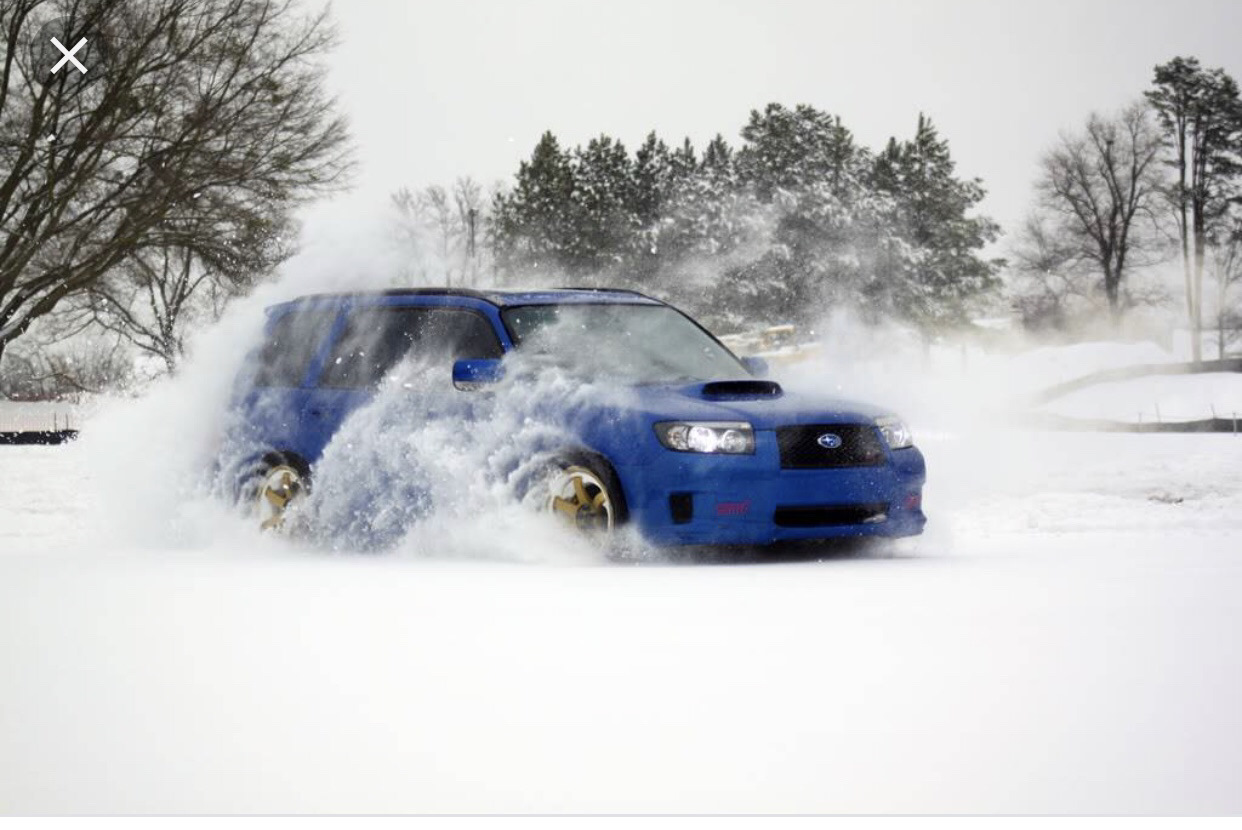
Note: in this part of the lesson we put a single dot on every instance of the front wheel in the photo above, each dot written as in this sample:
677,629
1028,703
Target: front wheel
584,492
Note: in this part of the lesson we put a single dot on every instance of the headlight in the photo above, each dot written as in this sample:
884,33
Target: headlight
895,432
726,437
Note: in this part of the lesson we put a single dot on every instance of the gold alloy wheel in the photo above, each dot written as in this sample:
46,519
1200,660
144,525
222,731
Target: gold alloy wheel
579,496
281,488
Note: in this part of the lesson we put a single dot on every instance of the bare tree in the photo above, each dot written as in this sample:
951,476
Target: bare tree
439,215
450,222
208,119
413,231
152,299
155,296
1098,188
62,358
1053,278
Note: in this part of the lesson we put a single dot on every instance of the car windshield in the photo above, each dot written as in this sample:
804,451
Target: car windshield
635,343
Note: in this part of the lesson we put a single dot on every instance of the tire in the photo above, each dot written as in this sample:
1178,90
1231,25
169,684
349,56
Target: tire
273,490
583,490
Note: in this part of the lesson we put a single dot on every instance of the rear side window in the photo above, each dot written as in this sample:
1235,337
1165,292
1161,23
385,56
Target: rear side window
291,344
377,339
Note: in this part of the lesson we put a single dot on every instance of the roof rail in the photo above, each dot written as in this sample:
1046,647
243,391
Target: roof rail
401,292
455,292
601,289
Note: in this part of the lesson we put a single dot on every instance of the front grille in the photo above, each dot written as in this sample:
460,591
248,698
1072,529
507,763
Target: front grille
860,446
833,515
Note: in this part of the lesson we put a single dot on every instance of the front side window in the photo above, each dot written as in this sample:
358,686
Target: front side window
375,340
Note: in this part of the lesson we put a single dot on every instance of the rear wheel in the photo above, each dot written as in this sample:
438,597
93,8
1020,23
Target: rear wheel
274,491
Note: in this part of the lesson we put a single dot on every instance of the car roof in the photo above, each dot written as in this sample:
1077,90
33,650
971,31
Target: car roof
540,296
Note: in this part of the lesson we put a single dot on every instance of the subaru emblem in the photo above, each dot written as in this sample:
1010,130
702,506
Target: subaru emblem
829,441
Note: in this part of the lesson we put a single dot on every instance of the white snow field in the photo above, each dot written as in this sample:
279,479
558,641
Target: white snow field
1063,639
1158,398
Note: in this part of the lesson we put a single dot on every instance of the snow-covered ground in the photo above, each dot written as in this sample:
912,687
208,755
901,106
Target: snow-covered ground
1063,639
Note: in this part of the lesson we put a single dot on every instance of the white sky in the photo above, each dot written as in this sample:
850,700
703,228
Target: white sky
437,90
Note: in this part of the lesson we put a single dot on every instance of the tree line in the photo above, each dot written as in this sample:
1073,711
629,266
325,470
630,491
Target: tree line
799,216
796,217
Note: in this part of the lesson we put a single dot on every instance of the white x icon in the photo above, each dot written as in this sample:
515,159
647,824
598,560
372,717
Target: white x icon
68,56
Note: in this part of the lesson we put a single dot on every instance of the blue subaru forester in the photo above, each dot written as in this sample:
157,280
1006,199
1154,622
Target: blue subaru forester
700,449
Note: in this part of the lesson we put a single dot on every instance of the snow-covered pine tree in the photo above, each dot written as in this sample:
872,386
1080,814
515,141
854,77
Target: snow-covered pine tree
533,232
928,264
605,220
653,183
711,225
803,165
800,218
653,172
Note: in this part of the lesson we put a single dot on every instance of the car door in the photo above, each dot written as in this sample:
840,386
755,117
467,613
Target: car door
376,340
274,405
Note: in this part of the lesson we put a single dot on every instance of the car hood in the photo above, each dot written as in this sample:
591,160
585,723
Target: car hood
764,404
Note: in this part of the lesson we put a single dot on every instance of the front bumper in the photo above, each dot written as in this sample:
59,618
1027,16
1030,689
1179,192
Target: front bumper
693,499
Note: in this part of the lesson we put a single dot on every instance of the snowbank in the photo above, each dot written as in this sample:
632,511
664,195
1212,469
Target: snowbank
1157,398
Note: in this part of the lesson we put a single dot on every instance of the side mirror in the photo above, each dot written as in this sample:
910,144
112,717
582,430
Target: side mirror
757,366
477,372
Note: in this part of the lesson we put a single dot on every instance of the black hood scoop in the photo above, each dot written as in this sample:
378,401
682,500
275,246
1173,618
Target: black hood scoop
741,390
